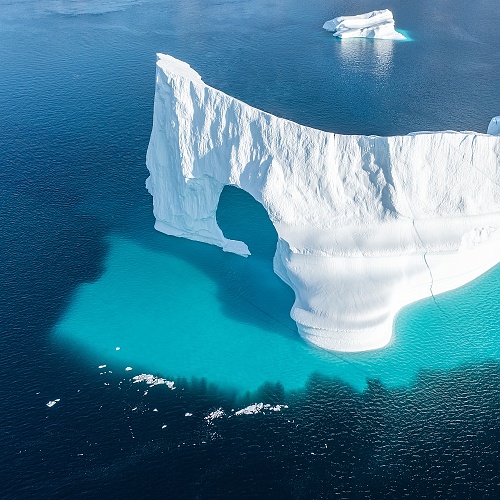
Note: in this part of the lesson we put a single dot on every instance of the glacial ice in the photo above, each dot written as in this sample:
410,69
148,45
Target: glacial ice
376,24
366,224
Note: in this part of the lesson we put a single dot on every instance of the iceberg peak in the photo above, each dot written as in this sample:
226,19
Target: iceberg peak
375,24
366,224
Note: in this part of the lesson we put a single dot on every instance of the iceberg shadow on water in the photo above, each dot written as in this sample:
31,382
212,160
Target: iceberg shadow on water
247,290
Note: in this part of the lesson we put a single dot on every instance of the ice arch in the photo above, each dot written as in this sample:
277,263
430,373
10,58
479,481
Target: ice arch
365,224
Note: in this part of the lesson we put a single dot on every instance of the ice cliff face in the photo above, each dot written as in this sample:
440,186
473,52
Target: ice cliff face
366,224
376,24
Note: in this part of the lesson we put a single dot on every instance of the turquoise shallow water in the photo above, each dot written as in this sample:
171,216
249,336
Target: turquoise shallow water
170,315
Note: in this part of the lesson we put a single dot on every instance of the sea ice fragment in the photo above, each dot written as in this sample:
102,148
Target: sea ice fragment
494,126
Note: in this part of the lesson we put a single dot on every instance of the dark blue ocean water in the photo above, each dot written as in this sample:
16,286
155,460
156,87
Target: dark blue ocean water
82,271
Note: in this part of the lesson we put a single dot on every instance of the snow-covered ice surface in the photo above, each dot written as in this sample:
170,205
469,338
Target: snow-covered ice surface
366,225
376,24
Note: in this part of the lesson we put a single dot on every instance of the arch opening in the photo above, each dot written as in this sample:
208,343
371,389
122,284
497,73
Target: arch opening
242,218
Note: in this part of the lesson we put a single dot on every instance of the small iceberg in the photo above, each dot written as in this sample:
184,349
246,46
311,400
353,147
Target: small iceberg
376,24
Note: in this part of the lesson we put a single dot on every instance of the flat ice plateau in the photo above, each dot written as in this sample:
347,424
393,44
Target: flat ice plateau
366,224
376,24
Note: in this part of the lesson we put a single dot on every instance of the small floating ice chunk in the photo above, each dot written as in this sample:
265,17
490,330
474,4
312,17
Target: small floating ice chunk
251,409
101,367
219,413
128,368
187,414
163,426
258,407
117,348
494,126
375,24
151,380
50,404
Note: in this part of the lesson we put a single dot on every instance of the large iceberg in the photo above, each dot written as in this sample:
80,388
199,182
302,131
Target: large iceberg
366,225
376,24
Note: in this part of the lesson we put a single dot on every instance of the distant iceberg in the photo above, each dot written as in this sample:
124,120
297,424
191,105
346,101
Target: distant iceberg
366,224
376,24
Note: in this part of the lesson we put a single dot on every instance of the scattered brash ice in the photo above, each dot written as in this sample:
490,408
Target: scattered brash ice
258,407
151,380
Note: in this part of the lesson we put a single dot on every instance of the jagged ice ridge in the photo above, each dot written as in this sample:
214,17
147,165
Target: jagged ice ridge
366,224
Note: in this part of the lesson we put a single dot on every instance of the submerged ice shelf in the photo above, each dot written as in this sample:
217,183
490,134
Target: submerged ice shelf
376,24
366,225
